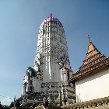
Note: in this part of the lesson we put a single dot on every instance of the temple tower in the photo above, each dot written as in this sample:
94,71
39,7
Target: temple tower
51,70
52,51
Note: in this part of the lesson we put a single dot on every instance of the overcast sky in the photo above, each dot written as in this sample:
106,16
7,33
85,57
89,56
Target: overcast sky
19,25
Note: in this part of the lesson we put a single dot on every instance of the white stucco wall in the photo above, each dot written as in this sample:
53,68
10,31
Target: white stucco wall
95,86
36,84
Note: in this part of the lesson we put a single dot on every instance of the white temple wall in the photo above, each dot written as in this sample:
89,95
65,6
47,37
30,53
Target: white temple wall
36,84
93,87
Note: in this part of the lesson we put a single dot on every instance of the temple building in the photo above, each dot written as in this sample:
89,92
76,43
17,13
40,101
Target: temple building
51,78
91,80
48,79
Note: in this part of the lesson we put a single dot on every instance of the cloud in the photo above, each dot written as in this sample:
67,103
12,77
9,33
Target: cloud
6,100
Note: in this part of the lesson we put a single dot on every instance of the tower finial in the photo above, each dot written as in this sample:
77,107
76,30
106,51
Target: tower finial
89,38
51,15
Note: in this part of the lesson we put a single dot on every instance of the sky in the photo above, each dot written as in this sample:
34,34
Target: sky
19,25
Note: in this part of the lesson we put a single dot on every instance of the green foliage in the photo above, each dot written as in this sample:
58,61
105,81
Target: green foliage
11,105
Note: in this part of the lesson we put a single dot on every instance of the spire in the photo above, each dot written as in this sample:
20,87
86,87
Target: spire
91,46
51,15
89,38
92,50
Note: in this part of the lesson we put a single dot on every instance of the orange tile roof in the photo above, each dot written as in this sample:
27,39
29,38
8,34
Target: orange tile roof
93,63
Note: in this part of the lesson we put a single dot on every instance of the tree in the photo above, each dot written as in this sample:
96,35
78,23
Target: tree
0,105
12,104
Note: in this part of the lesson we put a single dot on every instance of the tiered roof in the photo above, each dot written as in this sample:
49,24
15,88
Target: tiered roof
93,63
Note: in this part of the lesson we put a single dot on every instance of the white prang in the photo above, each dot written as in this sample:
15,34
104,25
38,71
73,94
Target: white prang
51,59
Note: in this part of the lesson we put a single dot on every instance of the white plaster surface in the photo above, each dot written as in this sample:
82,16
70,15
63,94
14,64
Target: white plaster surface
93,87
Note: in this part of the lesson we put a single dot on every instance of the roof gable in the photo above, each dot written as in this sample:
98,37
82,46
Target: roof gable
93,63
91,52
